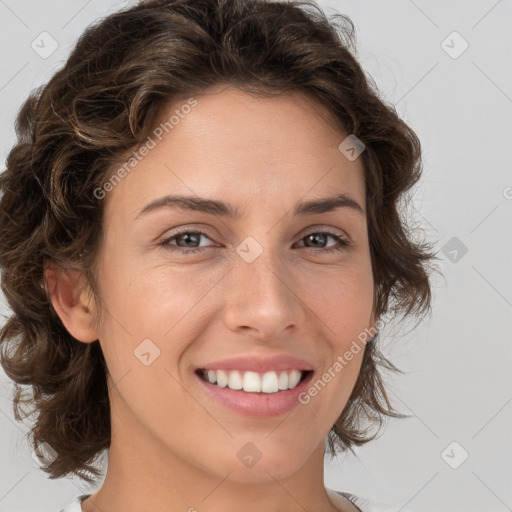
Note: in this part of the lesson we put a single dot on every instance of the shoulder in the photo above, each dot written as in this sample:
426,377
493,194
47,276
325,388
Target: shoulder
368,506
76,504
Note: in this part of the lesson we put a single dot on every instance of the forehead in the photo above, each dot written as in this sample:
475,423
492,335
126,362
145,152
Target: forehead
284,120
232,144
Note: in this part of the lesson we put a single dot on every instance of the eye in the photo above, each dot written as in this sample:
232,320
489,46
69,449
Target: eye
186,237
193,237
321,236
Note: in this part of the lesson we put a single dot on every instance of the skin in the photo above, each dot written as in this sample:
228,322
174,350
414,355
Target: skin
172,447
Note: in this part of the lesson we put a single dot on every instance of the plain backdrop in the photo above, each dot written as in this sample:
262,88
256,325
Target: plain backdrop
446,67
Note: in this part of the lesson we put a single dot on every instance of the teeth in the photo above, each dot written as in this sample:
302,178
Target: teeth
294,378
235,380
253,382
222,378
283,381
270,382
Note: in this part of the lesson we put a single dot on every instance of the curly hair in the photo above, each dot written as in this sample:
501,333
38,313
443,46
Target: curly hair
100,105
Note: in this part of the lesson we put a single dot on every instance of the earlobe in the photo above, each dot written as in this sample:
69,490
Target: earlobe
68,293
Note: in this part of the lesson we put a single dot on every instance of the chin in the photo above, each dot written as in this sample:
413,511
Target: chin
261,461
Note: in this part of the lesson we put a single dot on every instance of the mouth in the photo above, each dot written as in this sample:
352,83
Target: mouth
255,382
256,385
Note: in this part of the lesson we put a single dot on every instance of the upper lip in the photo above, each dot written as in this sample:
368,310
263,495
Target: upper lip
260,363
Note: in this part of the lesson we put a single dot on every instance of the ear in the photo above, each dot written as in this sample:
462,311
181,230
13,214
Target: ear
69,295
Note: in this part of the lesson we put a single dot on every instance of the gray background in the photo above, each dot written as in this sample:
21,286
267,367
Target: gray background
457,385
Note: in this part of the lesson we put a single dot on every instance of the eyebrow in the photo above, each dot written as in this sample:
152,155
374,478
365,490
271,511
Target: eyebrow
223,209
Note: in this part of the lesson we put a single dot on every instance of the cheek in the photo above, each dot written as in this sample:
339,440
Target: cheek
165,304
342,301
152,295
343,311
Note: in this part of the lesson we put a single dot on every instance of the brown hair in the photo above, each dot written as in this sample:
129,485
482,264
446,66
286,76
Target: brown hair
103,103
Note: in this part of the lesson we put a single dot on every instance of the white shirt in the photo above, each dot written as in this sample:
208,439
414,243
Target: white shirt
367,506
361,503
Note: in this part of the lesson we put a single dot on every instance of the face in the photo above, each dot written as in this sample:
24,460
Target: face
186,290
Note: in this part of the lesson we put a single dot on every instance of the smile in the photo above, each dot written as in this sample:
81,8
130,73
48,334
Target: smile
254,382
254,394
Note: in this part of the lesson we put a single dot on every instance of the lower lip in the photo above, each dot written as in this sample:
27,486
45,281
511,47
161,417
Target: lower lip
256,405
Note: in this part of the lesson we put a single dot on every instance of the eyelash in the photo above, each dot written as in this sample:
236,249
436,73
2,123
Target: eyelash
342,242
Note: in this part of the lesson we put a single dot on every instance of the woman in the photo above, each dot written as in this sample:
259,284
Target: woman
213,374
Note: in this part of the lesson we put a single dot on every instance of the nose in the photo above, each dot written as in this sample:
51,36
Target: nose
262,298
